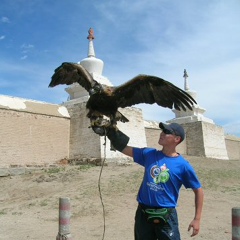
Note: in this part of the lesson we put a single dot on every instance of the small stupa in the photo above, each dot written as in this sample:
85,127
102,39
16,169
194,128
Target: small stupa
194,115
203,136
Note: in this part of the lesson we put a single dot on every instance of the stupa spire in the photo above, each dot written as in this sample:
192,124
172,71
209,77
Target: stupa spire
185,76
91,63
91,52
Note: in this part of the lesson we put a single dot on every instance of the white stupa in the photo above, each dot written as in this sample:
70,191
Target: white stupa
84,143
203,137
94,66
194,115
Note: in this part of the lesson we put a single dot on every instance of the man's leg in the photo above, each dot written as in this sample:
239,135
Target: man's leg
170,230
142,229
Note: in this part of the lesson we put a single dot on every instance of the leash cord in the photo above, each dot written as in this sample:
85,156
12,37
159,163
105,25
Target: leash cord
99,189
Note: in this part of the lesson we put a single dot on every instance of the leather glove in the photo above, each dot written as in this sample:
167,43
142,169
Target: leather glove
118,139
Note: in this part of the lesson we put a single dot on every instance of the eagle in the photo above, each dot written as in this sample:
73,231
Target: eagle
104,101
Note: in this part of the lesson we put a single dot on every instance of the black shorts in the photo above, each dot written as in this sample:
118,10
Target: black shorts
145,230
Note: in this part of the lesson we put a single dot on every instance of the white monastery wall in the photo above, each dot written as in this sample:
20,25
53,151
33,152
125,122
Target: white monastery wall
32,133
85,144
233,147
202,139
205,139
35,133
134,129
214,141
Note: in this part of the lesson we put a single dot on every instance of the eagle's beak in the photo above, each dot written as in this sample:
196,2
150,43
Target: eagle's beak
92,91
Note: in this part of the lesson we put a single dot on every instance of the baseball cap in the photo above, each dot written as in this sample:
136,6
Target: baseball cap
174,128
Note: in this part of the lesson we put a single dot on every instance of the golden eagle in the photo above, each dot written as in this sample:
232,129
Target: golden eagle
105,100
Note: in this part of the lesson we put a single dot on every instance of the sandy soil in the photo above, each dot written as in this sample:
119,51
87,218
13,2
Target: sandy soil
29,203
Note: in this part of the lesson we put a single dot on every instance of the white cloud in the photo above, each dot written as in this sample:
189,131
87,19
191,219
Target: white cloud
2,37
24,57
27,46
5,20
26,49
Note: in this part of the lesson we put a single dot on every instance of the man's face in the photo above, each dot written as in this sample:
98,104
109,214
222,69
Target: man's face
167,139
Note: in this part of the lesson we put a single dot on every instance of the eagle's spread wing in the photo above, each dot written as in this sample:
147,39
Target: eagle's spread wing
151,89
69,73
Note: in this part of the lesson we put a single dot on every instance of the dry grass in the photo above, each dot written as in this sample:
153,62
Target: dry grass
29,203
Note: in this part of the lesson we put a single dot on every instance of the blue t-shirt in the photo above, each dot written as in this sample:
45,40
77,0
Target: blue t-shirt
163,177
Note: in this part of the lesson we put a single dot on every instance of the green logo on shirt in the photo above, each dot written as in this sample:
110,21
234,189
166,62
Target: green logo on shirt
160,175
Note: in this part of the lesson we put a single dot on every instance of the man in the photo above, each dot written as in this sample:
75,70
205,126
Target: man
165,172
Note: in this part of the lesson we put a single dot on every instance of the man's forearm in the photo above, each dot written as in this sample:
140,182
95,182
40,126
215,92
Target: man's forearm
128,151
198,203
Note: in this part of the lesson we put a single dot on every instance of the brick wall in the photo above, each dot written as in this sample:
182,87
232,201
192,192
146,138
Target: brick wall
84,143
233,147
202,139
32,139
42,135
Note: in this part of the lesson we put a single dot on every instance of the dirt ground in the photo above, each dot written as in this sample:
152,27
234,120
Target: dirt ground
29,203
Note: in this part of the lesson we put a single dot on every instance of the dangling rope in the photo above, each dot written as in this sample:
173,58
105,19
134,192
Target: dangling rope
99,187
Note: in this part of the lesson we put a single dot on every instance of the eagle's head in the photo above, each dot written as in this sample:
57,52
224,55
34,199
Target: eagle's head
96,89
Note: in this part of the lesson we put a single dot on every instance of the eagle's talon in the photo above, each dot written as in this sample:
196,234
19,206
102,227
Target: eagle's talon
99,122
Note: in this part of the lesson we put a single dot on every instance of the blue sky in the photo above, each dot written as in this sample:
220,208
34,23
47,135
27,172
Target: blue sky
157,37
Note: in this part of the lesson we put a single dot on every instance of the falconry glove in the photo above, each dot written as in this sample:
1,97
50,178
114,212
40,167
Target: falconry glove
118,139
